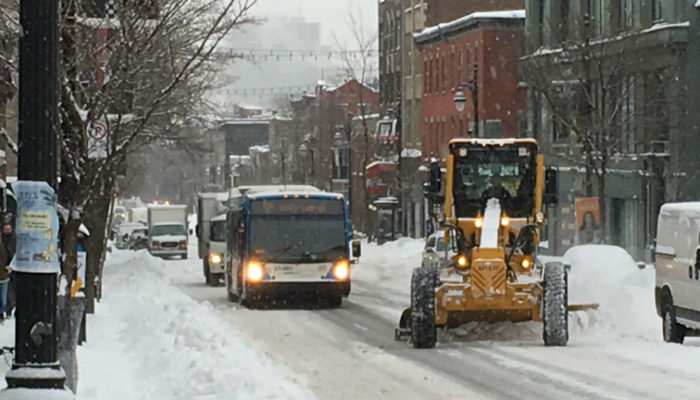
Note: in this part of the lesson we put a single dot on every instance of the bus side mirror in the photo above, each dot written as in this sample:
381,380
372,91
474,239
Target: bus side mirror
551,187
191,232
356,249
196,228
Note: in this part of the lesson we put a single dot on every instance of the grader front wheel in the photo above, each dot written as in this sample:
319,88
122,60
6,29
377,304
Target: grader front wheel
423,330
555,305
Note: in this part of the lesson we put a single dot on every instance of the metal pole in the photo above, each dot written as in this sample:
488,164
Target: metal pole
35,319
475,97
348,130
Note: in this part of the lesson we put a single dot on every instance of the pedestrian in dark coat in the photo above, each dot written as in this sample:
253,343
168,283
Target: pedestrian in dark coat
9,244
5,271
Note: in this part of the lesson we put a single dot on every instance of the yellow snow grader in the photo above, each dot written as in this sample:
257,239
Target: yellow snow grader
493,193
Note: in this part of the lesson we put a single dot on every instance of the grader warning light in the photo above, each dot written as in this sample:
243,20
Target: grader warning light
494,192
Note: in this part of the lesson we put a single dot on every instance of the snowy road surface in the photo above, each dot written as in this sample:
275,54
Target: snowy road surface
161,333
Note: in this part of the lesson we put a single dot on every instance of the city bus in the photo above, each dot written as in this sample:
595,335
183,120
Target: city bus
289,246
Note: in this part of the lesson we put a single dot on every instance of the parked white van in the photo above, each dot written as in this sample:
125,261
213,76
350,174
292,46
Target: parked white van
677,261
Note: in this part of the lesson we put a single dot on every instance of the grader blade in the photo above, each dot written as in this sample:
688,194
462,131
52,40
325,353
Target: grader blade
583,307
403,332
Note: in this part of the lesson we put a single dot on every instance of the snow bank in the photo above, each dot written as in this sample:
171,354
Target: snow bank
149,340
609,276
390,265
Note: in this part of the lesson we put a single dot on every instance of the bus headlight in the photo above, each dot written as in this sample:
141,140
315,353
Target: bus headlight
525,263
254,272
341,270
215,258
156,245
505,221
478,222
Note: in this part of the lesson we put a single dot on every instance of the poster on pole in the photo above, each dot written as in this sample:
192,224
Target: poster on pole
36,228
587,219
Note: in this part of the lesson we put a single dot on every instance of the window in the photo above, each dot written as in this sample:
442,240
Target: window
627,116
626,14
564,20
657,10
540,21
426,73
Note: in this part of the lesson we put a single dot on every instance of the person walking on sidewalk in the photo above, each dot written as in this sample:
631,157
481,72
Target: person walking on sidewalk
9,243
5,271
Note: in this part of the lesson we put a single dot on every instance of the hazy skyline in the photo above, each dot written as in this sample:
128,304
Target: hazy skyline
332,14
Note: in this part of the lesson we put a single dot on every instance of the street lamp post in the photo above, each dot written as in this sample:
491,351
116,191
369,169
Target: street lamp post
460,99
36,359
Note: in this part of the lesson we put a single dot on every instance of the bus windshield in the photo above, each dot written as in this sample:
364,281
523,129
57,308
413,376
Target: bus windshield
505,173
297,230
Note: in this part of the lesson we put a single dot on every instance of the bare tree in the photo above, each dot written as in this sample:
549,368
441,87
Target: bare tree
359,62
142,74
600,101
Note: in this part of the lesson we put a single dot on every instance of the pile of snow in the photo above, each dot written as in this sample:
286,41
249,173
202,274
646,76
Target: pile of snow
390,265
150,340
608,275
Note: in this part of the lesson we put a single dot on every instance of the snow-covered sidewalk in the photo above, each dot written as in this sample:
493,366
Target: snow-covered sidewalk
150,341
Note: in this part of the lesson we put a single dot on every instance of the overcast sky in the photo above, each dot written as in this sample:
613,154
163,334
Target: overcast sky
332,14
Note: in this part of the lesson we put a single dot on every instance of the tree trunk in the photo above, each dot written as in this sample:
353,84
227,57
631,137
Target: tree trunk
602,205
96,219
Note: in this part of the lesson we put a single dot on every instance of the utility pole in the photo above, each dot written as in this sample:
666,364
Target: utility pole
36,336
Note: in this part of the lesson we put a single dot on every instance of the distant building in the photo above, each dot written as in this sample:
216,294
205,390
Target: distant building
390,38
481,50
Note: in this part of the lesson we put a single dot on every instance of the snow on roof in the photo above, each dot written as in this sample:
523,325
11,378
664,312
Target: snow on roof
366,116
460,22
411,153
259,149
221,217
691,207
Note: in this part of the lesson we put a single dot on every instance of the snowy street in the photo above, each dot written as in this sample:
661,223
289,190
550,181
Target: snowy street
161,333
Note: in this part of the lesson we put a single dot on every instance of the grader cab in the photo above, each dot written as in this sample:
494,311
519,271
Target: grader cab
493,191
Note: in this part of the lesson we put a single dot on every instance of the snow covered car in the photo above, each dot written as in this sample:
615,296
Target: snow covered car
434,252
677,261
138,240
123,233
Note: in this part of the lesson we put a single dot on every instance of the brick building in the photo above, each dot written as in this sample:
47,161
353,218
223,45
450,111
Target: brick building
415,16
485,47
439,11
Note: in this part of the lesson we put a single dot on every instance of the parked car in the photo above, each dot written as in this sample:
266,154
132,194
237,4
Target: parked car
123,233
434,252
138,239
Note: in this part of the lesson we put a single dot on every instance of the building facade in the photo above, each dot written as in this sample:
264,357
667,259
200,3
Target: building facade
634,63
477,54
390,29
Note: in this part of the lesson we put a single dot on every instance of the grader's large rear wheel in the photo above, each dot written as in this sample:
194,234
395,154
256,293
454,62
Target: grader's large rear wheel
423,330
555,305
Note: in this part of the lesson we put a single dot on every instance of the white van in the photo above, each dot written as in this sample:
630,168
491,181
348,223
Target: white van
677,261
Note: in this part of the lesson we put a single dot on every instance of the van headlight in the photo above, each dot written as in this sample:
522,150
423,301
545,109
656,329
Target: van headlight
215,258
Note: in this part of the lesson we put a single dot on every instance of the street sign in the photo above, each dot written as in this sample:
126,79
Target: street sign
97,140
37,228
